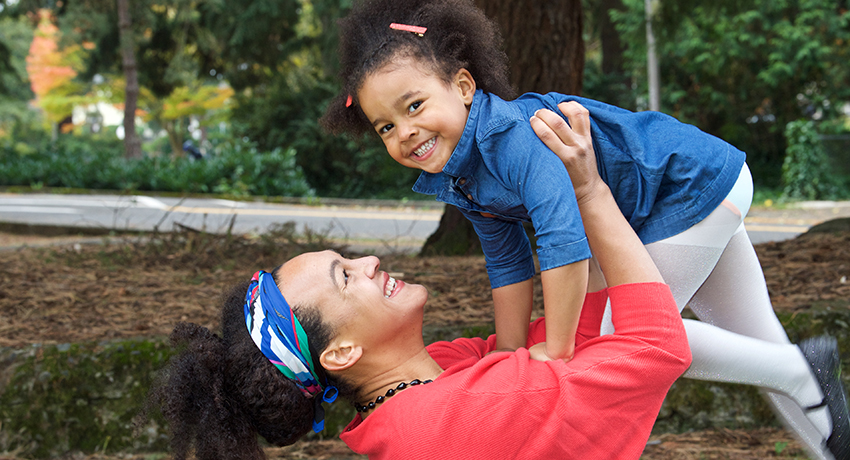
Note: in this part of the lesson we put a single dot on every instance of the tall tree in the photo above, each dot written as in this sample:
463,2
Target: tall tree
543,41
132,143
50,71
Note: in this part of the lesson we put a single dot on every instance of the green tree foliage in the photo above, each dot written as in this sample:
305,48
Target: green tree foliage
806,172
16,120
743,70
285,108
278,56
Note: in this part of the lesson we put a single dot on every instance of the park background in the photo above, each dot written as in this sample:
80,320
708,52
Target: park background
241,85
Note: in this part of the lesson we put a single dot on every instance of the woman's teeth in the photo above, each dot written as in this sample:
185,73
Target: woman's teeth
425,147
388,290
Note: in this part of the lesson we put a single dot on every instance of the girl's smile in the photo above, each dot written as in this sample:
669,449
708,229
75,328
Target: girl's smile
426,149
419,116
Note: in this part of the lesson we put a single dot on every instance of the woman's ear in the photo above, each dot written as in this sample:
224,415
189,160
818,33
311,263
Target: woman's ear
340,356
466,85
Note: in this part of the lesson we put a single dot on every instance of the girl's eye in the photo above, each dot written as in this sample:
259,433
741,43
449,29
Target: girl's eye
385,129
414,106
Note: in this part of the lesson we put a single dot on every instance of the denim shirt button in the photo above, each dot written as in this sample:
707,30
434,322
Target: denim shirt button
461,181
469,196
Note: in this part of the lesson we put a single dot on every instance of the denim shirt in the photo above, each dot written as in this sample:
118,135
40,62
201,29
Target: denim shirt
666,176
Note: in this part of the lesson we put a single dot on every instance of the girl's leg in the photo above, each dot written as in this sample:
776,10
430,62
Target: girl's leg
687,259
735,298
713,268
739,339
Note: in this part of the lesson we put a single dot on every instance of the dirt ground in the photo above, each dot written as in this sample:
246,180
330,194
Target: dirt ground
132,286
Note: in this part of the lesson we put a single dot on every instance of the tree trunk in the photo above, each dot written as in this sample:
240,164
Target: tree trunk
544,45
132,143
615,87
612,48
453,237
543,42
173,129
652,59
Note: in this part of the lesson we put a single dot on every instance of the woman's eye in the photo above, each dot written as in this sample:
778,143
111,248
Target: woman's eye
414,106
345,276
385,129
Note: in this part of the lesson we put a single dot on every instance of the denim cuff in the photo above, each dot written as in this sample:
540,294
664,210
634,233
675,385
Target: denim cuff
557,256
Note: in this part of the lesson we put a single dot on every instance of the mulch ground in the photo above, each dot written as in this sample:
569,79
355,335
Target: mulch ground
142,287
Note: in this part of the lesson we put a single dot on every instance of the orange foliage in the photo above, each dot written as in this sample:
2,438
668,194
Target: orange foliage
45,61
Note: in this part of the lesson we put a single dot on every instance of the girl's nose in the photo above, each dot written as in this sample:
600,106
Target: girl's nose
406,131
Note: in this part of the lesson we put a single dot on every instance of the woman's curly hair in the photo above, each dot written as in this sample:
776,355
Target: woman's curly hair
218,393
459,36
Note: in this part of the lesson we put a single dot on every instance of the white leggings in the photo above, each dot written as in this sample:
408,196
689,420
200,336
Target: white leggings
712,267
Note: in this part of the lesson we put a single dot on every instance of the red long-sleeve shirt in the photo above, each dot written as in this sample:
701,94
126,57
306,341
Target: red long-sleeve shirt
600,405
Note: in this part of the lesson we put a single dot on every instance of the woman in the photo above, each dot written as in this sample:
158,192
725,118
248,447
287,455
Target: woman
459,399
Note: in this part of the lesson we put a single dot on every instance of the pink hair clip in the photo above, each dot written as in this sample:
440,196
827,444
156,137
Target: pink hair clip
348,101
415,29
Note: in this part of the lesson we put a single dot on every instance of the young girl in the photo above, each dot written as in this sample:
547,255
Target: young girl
429,78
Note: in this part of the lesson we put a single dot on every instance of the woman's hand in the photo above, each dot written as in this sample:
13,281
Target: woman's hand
572,143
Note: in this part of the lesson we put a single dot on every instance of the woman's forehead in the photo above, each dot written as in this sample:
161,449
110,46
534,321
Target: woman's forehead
308,270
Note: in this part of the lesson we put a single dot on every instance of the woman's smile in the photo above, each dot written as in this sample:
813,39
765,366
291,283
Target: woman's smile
392,286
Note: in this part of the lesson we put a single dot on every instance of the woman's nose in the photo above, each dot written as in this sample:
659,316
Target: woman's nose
370,265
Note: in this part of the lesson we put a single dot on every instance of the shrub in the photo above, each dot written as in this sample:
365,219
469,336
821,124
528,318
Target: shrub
99,164
805,171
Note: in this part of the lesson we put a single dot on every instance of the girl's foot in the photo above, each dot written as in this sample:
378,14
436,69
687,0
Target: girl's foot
822,355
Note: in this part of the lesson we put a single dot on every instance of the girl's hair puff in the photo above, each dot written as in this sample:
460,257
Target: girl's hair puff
458,36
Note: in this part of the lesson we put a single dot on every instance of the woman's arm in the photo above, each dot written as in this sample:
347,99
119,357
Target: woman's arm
620,252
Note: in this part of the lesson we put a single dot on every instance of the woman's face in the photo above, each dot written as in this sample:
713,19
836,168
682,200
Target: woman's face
353,295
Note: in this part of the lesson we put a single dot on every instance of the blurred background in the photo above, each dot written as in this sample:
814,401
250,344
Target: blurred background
221,97
224,95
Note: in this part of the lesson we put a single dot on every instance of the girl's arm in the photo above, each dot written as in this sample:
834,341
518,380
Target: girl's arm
564,288
510,267
512,305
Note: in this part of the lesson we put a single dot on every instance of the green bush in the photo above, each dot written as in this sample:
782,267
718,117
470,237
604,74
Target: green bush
806,172
79,397
90,163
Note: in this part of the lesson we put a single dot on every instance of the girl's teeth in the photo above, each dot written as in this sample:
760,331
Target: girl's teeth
425,147
390,286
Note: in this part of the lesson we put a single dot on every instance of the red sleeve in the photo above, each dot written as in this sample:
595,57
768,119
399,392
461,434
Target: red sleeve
663,328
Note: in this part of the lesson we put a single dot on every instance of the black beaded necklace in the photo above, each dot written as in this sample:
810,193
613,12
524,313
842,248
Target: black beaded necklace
390,392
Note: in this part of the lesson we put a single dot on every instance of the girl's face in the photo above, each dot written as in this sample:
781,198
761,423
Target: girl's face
419,116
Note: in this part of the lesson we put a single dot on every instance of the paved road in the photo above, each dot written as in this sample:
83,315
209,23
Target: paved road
353,221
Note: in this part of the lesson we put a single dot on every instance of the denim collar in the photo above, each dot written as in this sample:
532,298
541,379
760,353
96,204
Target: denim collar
462,162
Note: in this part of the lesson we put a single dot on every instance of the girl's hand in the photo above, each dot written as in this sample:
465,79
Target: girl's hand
538,353
500,350
572,143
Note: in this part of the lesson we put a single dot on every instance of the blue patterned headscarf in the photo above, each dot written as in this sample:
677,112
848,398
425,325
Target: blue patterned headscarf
279,335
